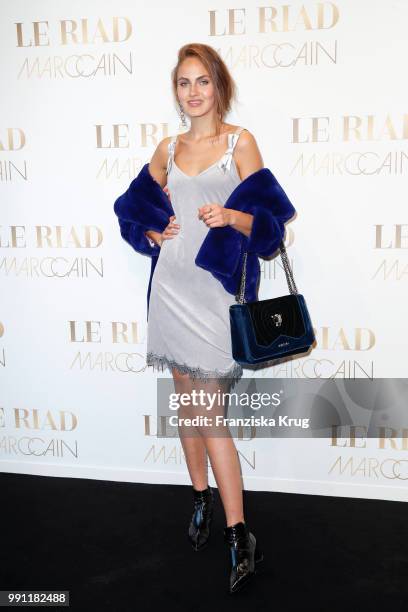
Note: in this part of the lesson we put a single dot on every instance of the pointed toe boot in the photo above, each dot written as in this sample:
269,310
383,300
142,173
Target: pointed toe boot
245,555
199,529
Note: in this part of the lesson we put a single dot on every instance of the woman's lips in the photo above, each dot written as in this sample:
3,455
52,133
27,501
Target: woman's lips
195,103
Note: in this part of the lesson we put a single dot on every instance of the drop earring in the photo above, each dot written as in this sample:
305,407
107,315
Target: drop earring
183,117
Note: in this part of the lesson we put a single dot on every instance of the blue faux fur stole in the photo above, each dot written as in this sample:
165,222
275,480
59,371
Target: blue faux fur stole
145,206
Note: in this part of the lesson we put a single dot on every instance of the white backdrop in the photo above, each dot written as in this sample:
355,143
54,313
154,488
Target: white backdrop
86,98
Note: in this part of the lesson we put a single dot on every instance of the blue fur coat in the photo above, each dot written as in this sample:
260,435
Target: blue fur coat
145,206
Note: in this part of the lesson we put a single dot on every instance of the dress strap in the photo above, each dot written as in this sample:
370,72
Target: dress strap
171,148
225,161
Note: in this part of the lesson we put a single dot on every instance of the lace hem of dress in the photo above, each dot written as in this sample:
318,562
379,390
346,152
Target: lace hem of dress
159,362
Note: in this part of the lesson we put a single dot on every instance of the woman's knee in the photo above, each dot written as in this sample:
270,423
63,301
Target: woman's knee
179,376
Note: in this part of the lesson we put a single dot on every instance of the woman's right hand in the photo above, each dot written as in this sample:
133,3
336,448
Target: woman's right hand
171,230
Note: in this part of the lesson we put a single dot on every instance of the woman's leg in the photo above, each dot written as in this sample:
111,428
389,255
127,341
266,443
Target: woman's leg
192,442
222,453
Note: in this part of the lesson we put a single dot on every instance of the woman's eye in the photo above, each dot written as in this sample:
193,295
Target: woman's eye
203,82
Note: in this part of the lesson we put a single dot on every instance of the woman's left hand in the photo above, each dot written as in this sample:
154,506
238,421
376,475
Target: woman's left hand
167,192
214,215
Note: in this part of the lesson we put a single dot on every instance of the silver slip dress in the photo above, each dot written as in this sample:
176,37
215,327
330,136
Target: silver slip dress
188,324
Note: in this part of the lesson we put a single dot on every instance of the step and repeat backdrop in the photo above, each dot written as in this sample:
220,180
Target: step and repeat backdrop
86,98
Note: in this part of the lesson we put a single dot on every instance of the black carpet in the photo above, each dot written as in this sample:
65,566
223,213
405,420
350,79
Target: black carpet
122,547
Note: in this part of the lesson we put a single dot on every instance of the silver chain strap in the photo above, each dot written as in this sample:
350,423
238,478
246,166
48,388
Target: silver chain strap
288,273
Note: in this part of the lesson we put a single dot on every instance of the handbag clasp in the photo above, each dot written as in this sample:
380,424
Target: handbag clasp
277,319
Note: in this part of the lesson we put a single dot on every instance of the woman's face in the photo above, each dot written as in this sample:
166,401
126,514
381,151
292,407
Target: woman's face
195,84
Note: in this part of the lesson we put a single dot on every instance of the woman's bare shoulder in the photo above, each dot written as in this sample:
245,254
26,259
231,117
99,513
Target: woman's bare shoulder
246,138
158,162
247,154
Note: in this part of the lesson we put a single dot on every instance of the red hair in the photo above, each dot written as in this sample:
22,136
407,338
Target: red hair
224,85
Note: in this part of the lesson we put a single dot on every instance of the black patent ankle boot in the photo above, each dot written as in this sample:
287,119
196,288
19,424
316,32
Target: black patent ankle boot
199,529
245,554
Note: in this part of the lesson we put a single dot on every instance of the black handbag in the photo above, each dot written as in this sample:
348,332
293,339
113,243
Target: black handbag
270,329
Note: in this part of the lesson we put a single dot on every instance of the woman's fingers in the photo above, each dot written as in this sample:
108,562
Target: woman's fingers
172,223
171,230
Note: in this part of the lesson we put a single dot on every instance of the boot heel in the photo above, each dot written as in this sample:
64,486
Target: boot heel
259,556
244,554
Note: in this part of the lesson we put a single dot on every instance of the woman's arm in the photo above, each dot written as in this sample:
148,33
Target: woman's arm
240,221
147,242
134,234
157,169
248,160
158,162
154,237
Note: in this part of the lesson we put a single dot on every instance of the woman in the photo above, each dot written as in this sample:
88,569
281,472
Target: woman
188,313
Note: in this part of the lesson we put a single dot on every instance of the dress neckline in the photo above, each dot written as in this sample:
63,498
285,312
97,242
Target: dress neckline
202,171
216,163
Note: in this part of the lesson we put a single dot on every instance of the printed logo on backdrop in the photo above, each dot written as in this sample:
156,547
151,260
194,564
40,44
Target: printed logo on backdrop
365,459
376,451
56,251
115,141
355,145
390,240
107,347
88,47
38,433
278,36
12,141
98,347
